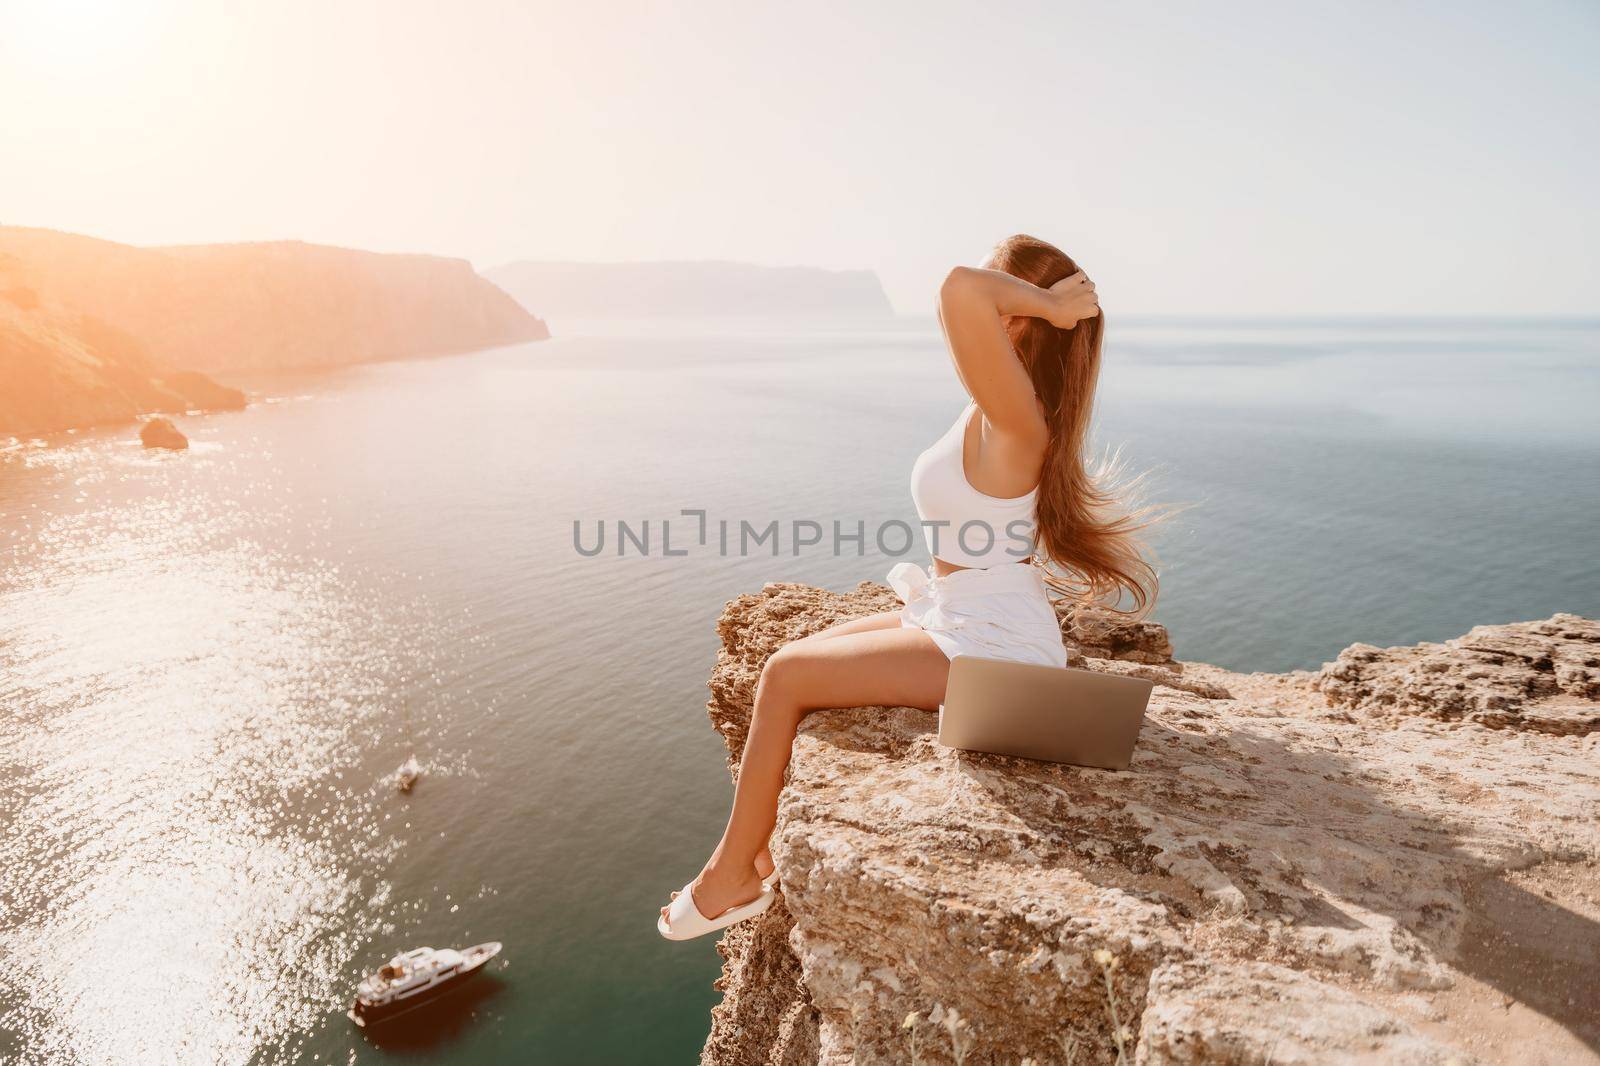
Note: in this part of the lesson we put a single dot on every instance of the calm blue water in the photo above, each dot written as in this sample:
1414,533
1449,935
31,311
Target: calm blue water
210,661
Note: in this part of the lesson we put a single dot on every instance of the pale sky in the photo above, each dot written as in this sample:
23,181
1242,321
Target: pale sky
1218,157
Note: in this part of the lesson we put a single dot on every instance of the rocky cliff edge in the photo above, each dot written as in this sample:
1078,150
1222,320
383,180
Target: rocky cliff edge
1391,860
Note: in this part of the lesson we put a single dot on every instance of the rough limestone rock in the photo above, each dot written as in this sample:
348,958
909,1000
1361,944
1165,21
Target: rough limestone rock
1383,862
1543,676
161,433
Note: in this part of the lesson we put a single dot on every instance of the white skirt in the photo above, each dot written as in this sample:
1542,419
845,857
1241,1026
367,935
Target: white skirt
1001,612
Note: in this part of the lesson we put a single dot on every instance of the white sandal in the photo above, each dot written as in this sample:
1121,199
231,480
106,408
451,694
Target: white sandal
683,920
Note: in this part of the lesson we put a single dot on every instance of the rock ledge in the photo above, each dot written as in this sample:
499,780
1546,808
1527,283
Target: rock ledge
1393,860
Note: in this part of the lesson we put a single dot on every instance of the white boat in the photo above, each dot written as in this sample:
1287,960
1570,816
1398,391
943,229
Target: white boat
407,774
419,976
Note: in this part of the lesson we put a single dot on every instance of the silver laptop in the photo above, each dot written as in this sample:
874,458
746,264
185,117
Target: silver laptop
1043,712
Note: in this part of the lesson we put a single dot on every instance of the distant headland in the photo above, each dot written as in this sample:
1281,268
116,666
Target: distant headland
711,288
94,332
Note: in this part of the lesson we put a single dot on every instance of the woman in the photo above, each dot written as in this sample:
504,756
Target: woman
1024,332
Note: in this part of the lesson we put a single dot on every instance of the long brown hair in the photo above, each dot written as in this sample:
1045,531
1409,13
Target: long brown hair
1086,537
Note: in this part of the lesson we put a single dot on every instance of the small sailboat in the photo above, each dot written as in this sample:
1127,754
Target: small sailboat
407,774
414,978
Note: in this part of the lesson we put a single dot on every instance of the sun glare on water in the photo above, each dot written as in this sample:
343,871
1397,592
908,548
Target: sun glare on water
194,847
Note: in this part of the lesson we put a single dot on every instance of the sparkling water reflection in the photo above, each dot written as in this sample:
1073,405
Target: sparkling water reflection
196,835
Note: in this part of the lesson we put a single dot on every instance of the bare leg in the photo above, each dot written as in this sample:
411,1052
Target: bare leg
866,624
884,620
880,664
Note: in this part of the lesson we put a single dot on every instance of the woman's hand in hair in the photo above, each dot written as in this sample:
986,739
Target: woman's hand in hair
1072,300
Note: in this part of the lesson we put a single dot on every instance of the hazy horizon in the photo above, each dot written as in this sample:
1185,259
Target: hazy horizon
1244,159
1263,317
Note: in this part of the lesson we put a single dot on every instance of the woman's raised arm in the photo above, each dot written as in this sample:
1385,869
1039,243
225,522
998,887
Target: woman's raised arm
972,304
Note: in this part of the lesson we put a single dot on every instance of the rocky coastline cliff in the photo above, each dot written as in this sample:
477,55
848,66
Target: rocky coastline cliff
1392,859
95,332
61,369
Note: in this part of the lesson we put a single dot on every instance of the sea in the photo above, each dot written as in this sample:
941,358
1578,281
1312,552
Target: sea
511,562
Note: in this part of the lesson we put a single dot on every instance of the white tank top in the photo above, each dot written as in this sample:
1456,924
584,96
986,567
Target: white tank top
960,524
